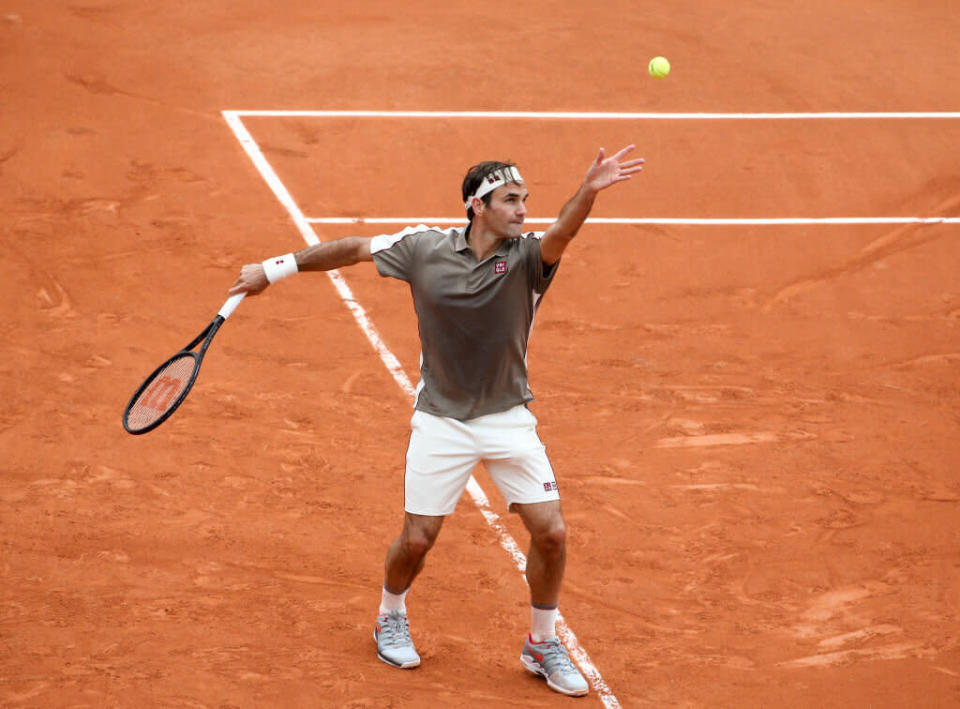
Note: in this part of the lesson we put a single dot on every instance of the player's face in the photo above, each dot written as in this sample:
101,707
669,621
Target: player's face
507,210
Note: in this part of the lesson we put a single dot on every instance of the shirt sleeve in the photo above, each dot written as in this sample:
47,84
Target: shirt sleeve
394,254
541,275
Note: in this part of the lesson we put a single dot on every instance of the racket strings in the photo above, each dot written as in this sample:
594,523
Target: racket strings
162,393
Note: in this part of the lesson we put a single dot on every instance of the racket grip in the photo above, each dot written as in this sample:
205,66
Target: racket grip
232,302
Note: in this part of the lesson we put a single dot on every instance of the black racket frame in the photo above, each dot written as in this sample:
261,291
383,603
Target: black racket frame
206,337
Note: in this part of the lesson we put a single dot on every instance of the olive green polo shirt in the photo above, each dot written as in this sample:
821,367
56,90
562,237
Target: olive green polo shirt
474,318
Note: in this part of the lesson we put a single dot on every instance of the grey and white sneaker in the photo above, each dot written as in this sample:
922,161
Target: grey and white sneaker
549,659
394,644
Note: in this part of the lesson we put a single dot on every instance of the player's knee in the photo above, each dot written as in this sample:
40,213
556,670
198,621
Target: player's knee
417,541
552,539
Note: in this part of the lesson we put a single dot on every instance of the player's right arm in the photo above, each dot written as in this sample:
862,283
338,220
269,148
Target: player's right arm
324,256
602,173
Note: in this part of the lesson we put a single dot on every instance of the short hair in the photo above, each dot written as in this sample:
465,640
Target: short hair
474,178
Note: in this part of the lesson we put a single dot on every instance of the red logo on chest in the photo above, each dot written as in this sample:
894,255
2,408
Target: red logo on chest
500,267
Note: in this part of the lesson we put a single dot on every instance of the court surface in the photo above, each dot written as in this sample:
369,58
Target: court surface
746,370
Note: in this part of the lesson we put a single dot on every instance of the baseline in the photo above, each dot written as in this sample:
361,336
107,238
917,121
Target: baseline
579,115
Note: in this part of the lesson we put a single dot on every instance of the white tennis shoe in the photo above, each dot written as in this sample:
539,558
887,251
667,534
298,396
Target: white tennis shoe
394,644
550,660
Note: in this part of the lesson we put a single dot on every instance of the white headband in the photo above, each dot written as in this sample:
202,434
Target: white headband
494,180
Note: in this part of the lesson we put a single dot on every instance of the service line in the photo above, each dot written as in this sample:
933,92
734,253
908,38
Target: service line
392,364
786,221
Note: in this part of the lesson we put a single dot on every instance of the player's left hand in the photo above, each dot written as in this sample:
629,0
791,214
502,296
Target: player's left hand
606,171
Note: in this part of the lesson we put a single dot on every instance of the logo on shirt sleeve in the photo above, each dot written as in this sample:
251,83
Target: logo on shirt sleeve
500,267
551,486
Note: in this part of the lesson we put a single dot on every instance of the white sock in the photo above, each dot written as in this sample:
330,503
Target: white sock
393,602
543,623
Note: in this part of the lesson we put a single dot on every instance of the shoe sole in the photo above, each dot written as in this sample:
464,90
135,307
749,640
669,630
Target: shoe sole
533,667
403,666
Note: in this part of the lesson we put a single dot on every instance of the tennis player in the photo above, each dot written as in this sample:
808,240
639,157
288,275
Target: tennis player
476,290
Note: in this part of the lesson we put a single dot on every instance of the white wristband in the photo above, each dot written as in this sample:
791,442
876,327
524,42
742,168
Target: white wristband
279,267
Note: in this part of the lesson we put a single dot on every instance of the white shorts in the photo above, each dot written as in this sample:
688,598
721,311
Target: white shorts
443,453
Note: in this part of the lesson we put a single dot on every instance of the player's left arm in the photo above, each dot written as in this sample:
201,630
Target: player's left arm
604,172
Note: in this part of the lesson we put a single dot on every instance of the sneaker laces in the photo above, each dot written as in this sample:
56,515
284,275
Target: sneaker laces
555,654
395,629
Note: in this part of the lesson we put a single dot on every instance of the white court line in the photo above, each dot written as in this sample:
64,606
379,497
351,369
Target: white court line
393,366
787,221
580,115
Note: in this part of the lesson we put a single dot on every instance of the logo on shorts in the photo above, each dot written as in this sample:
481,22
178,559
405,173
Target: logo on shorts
551,486
500,267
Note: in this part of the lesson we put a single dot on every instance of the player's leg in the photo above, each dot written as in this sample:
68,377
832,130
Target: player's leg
547,556
543,653
406,555
440,458
405,558
517,462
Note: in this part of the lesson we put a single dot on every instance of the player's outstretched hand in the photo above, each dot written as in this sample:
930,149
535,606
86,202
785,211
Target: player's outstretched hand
252,280
606,171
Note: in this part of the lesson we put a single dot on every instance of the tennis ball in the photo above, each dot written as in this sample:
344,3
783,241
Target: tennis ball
659,67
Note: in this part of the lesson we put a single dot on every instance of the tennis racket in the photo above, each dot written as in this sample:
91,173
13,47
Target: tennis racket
164,390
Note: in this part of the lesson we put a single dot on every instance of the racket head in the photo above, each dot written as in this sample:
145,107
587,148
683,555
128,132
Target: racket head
161,393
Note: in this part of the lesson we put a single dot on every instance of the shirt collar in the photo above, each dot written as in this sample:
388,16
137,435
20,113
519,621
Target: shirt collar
460,243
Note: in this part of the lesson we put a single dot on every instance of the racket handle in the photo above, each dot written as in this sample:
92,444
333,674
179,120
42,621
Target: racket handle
232,302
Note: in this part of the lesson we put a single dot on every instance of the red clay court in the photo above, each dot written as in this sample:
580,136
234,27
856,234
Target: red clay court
746,370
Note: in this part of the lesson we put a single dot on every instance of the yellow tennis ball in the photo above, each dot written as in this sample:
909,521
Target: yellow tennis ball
659,67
